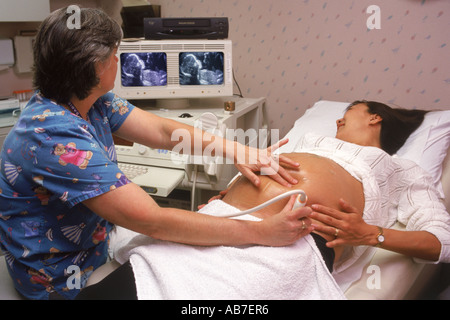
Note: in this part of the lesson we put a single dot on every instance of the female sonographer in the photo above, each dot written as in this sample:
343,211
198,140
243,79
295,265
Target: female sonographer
61,191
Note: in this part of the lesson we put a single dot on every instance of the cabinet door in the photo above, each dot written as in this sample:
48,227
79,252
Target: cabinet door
24,10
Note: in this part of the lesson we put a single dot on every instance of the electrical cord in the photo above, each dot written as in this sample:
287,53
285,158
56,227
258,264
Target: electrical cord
300,201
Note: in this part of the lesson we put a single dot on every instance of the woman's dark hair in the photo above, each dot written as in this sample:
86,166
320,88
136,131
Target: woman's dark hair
397,124
65,58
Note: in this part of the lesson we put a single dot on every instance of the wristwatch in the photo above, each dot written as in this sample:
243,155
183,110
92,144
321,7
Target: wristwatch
380,237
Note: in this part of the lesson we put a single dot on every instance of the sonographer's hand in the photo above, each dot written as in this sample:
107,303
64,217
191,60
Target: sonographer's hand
287,226
264,162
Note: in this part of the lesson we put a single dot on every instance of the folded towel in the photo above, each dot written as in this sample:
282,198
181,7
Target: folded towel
166,270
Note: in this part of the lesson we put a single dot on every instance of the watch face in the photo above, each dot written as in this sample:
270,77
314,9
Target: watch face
380,238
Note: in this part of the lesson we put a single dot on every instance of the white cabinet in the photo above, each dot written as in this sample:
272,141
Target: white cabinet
24,10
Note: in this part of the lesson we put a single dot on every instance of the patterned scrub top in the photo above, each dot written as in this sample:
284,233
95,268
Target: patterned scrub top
51,161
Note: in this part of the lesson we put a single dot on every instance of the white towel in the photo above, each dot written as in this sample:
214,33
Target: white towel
166,270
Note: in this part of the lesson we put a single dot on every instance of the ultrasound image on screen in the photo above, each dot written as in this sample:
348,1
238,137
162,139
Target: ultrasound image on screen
201,68
147,69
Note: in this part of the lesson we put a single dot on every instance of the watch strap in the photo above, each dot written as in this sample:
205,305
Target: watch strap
380,237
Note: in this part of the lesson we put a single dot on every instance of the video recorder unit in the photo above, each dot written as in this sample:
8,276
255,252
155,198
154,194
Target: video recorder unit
185,28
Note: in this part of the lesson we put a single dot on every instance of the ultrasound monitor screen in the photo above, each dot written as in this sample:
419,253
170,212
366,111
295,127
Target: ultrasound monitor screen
147,69
201,68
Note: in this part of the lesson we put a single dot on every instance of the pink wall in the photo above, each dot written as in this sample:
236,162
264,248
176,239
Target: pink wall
295,52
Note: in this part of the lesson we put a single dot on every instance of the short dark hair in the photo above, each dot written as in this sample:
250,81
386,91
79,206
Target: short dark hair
65,59
397,123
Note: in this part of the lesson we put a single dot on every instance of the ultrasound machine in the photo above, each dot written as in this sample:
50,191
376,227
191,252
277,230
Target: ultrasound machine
190,81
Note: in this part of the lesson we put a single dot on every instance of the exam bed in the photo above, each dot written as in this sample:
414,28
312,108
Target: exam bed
429,146
401,276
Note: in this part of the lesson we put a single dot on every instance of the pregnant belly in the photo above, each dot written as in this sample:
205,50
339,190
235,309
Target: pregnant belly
323,180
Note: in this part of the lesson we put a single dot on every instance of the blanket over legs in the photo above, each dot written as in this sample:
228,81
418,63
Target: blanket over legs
166,270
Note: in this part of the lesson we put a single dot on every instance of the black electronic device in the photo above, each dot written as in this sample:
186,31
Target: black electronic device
133,19
186,28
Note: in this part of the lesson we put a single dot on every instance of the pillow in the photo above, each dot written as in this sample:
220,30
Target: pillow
427,146
319,119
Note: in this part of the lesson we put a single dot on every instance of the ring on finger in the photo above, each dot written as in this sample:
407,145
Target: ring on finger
336,232
303,225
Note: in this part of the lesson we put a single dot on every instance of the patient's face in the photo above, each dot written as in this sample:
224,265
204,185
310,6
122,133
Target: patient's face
354,124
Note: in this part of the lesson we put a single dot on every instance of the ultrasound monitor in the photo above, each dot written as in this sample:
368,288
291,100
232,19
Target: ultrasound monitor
174,69
143,69
201,68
